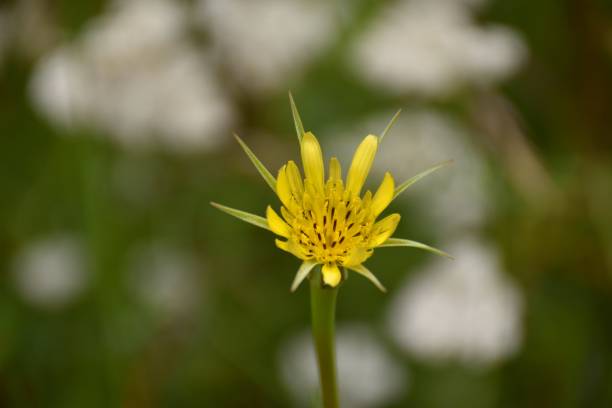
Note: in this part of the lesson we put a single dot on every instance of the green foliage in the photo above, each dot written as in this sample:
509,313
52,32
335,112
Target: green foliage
108,349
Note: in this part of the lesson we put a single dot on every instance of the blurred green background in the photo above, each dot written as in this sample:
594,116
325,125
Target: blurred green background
122,286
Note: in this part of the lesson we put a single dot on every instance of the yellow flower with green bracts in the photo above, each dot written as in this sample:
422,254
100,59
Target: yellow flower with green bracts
327,221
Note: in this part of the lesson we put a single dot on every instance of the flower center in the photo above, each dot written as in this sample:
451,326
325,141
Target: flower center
332,226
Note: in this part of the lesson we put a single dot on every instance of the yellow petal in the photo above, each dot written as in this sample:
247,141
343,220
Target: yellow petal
335,170
384,195
295,179
289,246
383,229
284,245
283,189
361,164
356,256
312,160
366,201
331,274
276,223
293,248
287,215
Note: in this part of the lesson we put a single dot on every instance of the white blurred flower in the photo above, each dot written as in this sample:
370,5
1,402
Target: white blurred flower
465,310
51,273
135,30
367,375
165,279
135,75
62,88
432,48
268,42
455,198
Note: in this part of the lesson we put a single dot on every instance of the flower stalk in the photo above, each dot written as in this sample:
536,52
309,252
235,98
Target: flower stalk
327,223
323,310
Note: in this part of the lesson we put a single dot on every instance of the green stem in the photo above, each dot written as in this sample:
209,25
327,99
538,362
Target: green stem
323,309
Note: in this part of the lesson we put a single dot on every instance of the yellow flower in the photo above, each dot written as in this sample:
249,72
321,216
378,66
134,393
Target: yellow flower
328,222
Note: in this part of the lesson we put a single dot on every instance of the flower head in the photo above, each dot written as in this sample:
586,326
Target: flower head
328,221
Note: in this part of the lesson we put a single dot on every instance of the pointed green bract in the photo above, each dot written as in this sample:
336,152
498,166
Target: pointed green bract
390,125
256,220
299,128
400,189
267,176
362,270
400,242
302,273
